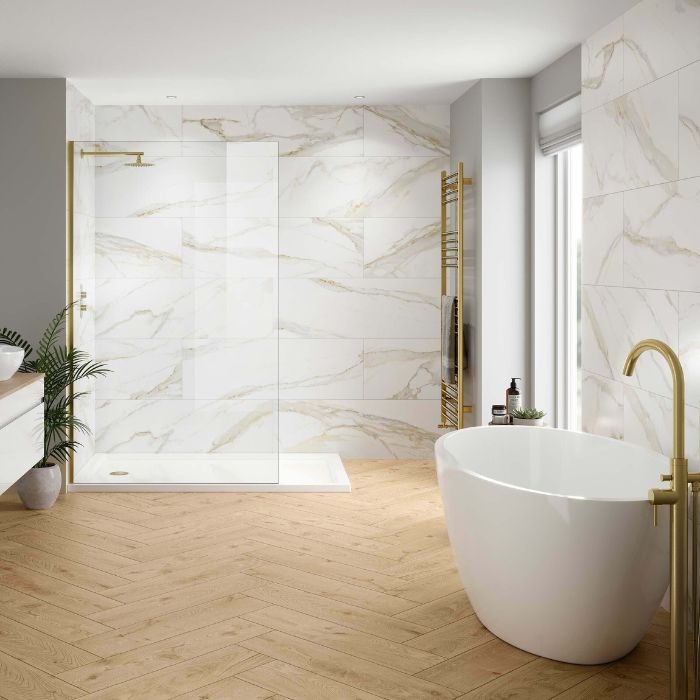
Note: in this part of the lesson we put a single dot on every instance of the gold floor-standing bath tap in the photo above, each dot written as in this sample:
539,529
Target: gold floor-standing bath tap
677,498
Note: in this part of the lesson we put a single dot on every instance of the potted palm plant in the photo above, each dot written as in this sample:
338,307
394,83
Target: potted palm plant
63,370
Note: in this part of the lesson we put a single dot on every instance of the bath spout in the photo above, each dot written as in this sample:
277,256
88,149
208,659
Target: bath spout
676,498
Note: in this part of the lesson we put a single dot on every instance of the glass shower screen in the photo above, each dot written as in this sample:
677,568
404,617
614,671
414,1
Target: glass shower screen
175,263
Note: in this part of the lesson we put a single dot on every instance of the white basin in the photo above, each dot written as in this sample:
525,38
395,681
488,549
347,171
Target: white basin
10,359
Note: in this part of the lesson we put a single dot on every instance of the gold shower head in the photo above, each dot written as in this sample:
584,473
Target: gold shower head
138,163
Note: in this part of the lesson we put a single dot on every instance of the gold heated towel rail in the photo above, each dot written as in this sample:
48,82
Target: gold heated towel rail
452,408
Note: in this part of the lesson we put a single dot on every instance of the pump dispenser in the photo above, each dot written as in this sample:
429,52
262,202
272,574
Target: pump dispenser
513,399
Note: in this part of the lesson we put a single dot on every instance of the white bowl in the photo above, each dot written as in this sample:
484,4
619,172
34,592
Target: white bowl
10,359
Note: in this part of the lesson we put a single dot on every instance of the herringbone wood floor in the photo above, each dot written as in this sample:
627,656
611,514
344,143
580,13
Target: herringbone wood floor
251,596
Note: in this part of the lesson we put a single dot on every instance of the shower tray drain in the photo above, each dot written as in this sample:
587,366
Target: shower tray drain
119,473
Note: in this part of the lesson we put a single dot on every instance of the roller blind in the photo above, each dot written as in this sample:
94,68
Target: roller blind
560,126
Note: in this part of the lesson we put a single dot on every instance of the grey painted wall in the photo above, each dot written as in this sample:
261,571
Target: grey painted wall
32,202
465,146
490,132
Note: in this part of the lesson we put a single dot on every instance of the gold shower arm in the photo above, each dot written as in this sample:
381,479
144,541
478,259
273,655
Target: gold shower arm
84,153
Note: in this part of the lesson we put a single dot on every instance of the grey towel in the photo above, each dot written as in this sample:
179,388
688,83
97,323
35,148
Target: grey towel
449,340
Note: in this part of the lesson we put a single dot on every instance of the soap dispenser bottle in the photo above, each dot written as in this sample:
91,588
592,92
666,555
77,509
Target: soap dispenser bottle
513,398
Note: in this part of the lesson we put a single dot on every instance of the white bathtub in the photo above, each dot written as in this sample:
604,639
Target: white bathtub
554,539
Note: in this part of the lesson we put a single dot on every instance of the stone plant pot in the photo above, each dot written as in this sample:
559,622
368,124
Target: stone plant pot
528,421
39,487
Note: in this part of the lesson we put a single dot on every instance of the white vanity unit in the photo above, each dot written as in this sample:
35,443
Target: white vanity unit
21,426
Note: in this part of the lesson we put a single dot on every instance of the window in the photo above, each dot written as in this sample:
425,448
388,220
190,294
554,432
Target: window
569,197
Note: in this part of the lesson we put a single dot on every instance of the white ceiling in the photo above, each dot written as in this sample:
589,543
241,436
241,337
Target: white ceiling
289,51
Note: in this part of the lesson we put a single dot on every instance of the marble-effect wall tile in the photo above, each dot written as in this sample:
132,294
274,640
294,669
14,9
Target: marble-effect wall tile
138,248
614,319
401,369
661,36
360,429
320,369
230,369
320,308
603,133
689,121
300,131
155,308
190,427
406,131
235,308
649,423
601,66
650,116
139,123
601,255
230,247
320,247
603,405
661,244
80,115
689,344
140,369
367,187
403,247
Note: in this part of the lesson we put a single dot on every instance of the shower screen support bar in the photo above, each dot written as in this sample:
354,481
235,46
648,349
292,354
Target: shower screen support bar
452,408
70,292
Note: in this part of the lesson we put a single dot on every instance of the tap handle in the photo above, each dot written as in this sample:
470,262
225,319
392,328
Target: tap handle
663,497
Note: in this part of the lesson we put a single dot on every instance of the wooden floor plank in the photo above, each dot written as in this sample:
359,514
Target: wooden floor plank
349,615
478,666
97,558
41,650
183,677
299,684
184,577
326,567
52,590
262,596
540,679
55,566
123,667
159,627
130,613
440,612
329,634
42,616
230,689
85,535
455,638
20,681
343,668
330,588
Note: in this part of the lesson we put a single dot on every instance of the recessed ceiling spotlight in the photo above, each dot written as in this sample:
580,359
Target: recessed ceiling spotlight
171,97
359,97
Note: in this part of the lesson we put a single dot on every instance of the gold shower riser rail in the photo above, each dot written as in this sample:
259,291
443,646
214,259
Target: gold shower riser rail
452,408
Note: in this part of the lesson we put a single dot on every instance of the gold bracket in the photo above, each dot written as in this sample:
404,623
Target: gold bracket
83,296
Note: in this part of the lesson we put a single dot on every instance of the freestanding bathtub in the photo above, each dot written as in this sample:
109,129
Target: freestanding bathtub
554,539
